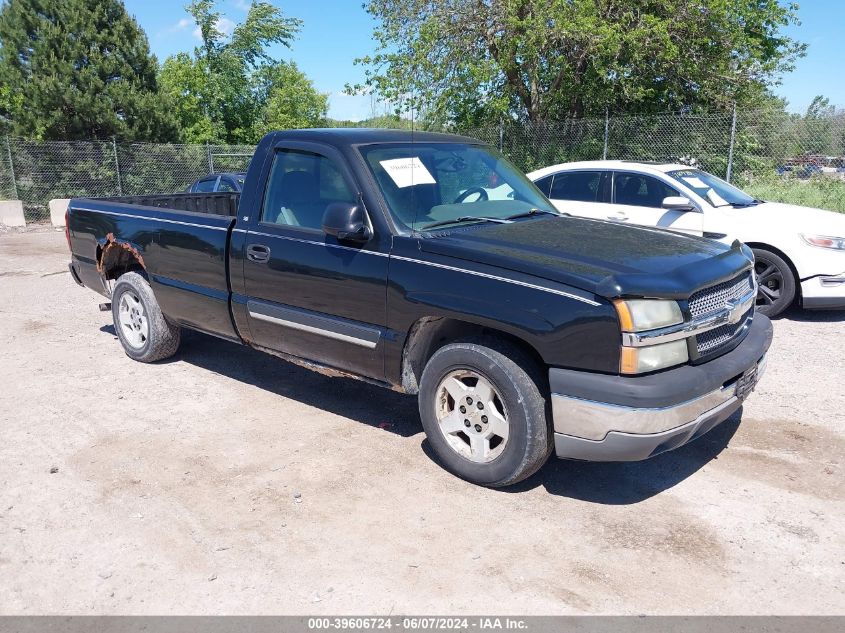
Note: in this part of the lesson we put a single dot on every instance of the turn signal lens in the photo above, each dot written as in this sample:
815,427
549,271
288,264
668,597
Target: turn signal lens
639,360
825,241
637,315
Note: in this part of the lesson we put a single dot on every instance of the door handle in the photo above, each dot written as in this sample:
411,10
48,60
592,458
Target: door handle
258,253
619,216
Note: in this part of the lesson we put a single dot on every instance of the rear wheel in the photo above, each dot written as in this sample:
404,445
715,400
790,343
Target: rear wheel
143,331
483,408
776,283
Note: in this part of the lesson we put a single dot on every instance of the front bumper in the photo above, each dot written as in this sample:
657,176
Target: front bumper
622,418
824,292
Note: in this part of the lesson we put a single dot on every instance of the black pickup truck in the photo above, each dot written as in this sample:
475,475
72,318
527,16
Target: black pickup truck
428,264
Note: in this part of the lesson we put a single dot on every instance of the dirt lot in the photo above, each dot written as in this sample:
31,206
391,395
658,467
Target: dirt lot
176,483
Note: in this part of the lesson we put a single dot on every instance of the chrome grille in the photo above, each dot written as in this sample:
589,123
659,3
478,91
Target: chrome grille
716,297
712,340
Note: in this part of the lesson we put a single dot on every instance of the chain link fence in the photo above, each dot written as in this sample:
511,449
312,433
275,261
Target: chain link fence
774,155
36,172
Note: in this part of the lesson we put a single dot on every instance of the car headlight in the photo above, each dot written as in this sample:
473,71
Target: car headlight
825,241
640,315
639,360
637,315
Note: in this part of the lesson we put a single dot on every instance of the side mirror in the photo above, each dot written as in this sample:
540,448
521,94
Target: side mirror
346,221
678,203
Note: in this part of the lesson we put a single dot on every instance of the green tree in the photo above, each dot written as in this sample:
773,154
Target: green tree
475,60
820,108
817,133
291,100
216,91
79,69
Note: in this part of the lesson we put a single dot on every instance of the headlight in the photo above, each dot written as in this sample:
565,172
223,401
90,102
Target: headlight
825,241
637,315
639,360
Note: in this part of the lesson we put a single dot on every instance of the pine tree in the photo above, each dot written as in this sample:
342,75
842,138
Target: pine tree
79,69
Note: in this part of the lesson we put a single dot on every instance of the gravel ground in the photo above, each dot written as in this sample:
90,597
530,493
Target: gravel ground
227,481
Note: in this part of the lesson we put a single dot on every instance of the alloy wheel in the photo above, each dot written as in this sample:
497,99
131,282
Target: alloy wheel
472,416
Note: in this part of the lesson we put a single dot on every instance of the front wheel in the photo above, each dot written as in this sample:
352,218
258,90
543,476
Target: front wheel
143,331
483,409
776,283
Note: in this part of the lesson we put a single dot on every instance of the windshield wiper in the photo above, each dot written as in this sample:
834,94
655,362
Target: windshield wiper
530,212
466,218
742,205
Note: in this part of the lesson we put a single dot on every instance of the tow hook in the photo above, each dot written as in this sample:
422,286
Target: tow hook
105,307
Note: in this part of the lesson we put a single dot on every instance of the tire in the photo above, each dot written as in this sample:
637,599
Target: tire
470,444
776,281
143,331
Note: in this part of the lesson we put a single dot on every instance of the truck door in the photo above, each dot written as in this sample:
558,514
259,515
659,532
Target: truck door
308,294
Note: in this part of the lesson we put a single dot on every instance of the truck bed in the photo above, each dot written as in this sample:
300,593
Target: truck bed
179,240
225,204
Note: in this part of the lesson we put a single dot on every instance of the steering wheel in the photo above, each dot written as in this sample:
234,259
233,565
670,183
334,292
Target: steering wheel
481,191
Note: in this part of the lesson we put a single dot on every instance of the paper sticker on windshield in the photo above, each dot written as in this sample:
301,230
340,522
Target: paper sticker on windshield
716,199
407,172
695,182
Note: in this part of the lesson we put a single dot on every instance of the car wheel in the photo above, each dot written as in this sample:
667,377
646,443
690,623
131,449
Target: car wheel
776,283
143,331
484,411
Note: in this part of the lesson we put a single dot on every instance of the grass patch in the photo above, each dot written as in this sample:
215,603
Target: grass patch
821,192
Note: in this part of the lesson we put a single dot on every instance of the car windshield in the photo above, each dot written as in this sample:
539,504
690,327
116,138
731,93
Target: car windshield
429,184
718,192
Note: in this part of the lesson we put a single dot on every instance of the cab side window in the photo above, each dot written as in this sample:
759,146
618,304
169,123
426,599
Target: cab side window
581,186
300,187
640,190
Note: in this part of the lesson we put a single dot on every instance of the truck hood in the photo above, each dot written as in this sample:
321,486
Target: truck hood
608,259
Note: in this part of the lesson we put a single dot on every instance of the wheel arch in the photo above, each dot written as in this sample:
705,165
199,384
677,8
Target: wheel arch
428,334
116,257
774,249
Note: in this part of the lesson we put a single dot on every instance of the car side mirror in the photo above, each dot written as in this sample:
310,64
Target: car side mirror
346,221
678,203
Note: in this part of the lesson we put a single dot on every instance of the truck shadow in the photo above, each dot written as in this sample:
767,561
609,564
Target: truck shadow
625,483
369,404
620,483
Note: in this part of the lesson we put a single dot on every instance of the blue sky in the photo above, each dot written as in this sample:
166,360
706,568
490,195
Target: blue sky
337,31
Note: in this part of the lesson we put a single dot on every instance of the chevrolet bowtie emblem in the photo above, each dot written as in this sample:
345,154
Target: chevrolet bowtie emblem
735,311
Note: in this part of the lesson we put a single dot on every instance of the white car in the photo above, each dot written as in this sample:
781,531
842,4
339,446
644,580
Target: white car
800,251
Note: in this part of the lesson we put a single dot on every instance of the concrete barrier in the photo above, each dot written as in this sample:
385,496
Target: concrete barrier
11,213
57,211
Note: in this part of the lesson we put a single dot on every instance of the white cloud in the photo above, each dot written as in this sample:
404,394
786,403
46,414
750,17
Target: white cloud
224,26
181,25
243,5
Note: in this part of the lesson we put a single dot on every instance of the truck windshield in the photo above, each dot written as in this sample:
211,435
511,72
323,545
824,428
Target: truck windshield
430,185
715,190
